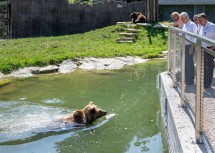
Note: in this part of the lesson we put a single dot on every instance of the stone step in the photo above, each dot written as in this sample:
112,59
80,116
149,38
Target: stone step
125,38
133,30
123,23
144,24
164,52
130,25
128,34
125,41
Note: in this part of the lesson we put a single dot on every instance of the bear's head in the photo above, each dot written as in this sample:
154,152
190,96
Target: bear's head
92,112
134,15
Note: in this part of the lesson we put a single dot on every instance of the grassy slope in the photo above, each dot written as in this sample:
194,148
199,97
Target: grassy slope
40,51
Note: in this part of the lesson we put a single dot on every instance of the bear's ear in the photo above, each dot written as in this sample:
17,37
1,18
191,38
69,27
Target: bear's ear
91,102
90,115
138,13
79,117
93,110
131,15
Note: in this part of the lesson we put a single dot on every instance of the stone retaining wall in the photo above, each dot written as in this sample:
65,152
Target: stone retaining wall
30,18
3,20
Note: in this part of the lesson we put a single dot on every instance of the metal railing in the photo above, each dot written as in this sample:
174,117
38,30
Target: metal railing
194,95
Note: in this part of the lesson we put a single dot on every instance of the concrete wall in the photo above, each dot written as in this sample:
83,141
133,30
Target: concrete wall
3,20
180,131
174,145
166,10
31,18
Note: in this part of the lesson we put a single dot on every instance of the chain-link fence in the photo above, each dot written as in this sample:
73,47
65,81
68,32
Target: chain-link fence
191,67
208,101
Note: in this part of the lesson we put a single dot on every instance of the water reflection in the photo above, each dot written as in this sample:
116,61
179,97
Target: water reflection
146,144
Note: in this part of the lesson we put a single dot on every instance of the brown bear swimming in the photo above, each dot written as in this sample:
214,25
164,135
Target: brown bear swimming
137,17
86,115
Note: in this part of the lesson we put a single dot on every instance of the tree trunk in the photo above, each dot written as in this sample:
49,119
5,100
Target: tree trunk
152,7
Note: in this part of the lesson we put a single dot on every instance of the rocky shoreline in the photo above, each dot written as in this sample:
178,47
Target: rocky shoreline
69,66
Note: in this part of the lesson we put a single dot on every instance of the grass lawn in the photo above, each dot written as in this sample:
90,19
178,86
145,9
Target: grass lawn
40,51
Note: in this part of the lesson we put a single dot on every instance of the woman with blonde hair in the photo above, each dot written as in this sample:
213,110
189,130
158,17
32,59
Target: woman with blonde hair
176,19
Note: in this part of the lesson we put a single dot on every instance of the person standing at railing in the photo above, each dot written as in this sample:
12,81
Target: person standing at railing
189,26
207,30
176,19
195,19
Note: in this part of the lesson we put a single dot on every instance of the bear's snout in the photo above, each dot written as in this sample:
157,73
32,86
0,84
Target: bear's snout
102,112
105,112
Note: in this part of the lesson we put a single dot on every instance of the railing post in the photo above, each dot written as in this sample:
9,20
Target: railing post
183,71
199,89
174,60
169,51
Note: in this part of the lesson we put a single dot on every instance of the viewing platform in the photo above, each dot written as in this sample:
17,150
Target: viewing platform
188,110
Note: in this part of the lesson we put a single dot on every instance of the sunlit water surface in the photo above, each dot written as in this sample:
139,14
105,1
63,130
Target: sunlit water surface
30,109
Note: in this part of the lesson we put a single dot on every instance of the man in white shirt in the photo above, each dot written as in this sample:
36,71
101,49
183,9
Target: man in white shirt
189,26
195,19
207,30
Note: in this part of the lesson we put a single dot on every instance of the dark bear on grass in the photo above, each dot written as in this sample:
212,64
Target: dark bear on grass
137,17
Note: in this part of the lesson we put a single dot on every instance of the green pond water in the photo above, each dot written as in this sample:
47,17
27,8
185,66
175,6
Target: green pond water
30,109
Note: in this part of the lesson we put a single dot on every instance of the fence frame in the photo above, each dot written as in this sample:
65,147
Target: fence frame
199,70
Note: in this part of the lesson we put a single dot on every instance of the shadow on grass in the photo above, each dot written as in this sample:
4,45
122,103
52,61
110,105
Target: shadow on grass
153,32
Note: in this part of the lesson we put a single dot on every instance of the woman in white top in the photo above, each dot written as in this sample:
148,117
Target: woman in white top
176,19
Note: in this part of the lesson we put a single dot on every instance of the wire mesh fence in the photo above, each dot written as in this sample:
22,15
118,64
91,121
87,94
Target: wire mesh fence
192,70
175,57
178,60
208,103
190,77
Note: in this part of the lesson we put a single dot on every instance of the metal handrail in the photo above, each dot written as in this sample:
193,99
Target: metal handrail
204,39
199,69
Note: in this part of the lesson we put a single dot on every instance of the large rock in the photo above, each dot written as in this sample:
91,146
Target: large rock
30,71
113,64
25,72
138,60
67,66
86,64
101,64
49,69
1,75
129,60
